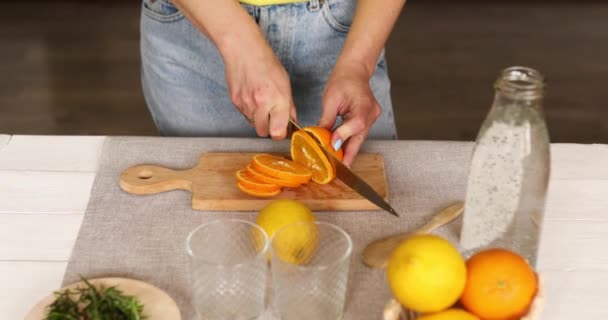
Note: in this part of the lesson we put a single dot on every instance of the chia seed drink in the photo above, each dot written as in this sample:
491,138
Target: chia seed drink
509,171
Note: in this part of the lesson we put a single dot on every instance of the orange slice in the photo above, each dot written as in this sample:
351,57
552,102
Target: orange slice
324,137
268,179
257,192
281,168
306,152
248,180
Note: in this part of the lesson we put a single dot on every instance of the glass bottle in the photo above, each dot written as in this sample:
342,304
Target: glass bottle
509,170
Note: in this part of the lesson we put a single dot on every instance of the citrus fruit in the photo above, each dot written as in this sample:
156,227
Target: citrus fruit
296,245
281,168
450,314
268,179
500,285
324,137
305,151
246,179
257,192
426,273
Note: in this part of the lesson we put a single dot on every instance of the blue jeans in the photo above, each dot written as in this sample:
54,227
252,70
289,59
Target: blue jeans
183,72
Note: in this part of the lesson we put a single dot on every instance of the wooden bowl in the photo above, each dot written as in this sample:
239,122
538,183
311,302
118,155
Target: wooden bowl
394,311
158,305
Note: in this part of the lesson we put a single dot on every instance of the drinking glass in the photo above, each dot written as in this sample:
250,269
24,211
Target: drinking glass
310,264
228,267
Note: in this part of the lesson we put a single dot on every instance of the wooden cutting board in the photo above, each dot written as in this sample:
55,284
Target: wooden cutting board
213,184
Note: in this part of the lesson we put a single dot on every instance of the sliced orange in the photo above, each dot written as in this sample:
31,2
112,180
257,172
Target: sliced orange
268,179
281,168
257,192
306,152
245,178
324,137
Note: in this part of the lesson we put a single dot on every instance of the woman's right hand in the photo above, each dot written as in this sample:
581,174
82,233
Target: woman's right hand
260,89
257,82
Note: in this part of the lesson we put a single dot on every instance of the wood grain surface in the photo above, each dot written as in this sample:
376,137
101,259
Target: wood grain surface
213,184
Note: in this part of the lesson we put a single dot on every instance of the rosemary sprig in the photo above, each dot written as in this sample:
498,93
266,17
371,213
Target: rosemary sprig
90,303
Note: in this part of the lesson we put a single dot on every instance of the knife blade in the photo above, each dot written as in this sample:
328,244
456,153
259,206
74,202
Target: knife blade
350,178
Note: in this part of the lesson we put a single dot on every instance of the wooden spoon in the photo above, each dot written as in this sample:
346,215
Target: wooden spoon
377,253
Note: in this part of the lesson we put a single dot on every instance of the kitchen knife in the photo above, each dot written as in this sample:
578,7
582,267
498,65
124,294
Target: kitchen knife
350,178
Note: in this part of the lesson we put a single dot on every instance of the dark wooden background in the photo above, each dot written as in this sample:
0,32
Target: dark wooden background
72,67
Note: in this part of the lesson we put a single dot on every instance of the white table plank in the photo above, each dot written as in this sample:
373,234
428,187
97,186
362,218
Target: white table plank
44,192
577,200
51,153
33,191
579,161
81,153
589,208
25,283
4,139
576,295
574,245
38,237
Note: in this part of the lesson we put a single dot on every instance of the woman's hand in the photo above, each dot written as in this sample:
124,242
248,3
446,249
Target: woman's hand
348,92
257,82
260,89
349,95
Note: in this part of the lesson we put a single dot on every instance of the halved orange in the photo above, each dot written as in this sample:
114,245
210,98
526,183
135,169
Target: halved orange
257,192
324,137
245,178
281,168
306,152
268,179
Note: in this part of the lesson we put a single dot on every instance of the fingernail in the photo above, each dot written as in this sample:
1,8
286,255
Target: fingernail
277,133
337,144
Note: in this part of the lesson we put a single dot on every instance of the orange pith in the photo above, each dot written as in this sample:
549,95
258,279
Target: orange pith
305,151
281,168
268,179
324,137
257,192
500,285
245,178
266,173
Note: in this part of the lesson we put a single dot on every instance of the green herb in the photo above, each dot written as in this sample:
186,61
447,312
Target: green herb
90,303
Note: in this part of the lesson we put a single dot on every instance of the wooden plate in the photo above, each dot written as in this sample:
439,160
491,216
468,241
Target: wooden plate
157,304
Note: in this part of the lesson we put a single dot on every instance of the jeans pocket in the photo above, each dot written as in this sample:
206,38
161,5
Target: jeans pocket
339,13
161,10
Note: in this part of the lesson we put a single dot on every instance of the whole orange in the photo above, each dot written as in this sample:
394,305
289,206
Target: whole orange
500,285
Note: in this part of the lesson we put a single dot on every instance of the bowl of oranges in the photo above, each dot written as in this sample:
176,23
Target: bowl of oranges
430,280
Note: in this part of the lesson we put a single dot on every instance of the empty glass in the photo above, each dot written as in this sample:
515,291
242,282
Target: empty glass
310,262
228,267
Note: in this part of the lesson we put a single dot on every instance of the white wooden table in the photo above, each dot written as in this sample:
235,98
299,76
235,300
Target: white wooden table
45,183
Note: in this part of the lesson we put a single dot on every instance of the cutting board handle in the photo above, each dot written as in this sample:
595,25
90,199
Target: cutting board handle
150,179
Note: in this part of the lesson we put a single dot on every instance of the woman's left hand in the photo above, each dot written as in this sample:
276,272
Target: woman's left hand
348,94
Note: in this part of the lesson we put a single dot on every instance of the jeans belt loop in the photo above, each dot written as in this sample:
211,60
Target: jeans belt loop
314,5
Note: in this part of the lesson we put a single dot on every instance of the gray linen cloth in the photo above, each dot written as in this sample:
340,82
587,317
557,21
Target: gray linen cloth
143,237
